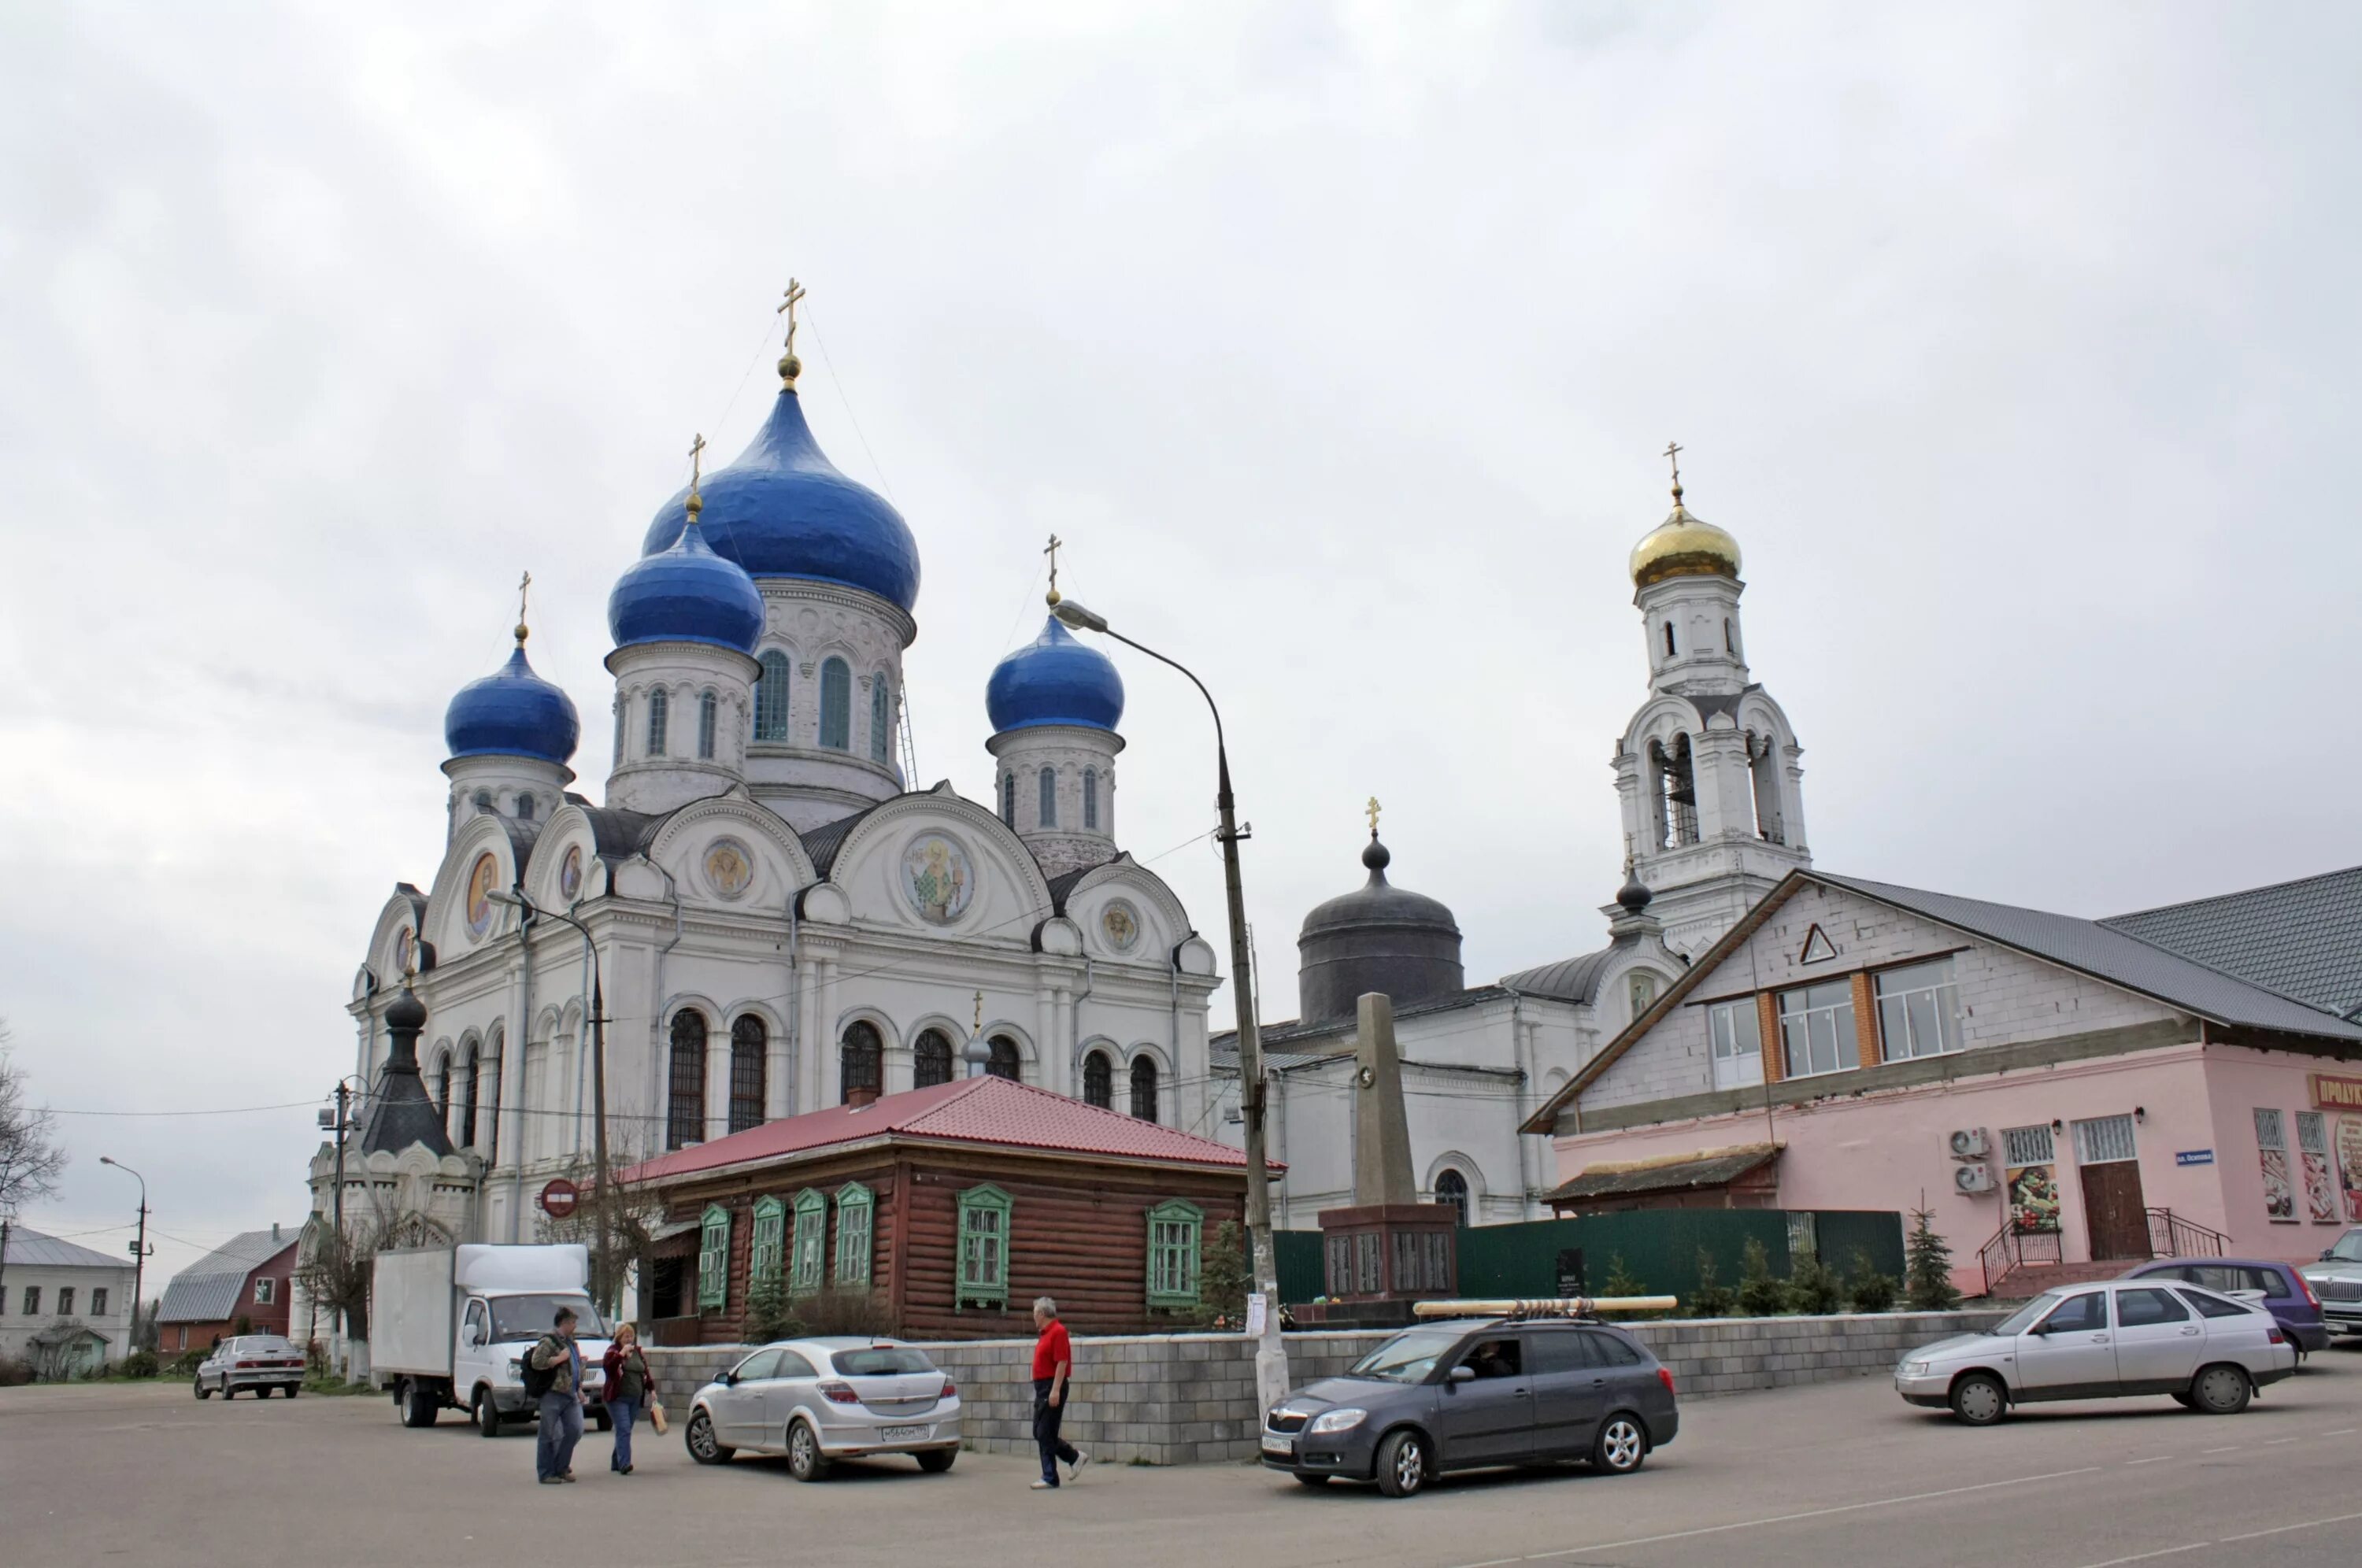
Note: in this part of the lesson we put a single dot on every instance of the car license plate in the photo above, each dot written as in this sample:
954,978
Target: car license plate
900,1434
1284,1447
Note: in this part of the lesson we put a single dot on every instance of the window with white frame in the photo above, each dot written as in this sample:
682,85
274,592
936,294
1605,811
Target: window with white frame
98,1301
709,708
771,696
2026,1145
2104,1139
1641,987
856,1208
881,719
266,1290
1919,1011
660,708
2311,1134
1737,1031
809,1260
65,1300
1816,1029
2271,1130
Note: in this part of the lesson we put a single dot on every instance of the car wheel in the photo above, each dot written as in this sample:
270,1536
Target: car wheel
1312,1480
1402,1464
199,1385
1980,1399
703,1446
1620,1445
805,1460
937,1461
2221,1389
421,1410
487,1414
290,1390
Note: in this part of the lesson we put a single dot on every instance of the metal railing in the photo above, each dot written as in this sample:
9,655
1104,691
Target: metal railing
2172,1236
2011,1249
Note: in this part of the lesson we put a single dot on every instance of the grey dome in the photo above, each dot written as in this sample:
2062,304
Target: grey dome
1376,938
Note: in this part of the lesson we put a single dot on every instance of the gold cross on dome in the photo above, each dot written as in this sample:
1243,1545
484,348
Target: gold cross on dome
1371,811
524,583
794,297
1673,456
1051,550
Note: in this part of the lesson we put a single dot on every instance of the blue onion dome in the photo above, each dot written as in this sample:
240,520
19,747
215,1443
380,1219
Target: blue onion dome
782,510
512,712
686,594
1053,679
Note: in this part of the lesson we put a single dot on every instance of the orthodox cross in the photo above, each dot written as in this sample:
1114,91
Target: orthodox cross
979,1012
788,308
696,463
524,583
1371,811
1673,456
1051,550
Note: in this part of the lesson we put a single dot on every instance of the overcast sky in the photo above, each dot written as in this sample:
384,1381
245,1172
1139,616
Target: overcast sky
2016,344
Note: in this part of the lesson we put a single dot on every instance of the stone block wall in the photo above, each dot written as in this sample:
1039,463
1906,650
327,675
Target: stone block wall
1190,1398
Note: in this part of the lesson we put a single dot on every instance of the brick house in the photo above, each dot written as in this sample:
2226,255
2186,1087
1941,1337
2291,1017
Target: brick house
951,1206
249,1277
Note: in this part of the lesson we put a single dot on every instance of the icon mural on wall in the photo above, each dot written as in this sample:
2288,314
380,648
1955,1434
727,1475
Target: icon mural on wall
479,895
2320,1198
1121,923
405,951
729,870
2271,1149
2349,1163
936,878
569,873
2033,1198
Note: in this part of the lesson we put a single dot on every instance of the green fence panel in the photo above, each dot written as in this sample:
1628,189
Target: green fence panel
1657,1248
1298,1253
1876,1233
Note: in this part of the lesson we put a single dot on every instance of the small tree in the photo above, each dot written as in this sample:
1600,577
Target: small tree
767,1313
1620,1280
1711,1298
30,1159
1224,1277
1761,1294
1927,1266
1871,1291
633,1212
1813,1287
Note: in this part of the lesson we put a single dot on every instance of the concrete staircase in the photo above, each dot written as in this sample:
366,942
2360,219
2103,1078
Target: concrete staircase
2029,1280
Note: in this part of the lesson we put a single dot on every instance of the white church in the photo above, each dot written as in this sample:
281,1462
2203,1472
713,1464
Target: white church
1713,809
772,917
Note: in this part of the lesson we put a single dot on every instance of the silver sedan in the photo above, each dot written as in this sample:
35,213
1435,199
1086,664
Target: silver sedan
2204,1350
823,1399
259,1362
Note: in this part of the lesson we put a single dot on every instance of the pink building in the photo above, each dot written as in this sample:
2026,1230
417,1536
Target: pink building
2060,1092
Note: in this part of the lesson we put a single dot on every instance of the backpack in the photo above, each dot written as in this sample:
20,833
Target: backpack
537,1379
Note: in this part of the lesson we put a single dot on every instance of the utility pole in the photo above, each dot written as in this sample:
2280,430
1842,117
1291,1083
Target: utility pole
138,1245
4,1263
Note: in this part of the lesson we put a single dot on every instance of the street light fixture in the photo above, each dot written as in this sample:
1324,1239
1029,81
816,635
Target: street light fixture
528,909
139,1246
1271,1351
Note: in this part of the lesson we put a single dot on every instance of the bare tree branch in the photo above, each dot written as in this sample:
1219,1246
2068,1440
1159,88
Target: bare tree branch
30,1159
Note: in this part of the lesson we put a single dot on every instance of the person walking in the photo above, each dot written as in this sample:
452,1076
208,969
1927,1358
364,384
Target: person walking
1053,1365
561,1402
631,1388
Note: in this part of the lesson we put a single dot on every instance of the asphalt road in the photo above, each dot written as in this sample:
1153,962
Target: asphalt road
1841,1473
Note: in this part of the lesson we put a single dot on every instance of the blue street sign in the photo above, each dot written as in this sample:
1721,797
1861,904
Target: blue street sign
2194,1157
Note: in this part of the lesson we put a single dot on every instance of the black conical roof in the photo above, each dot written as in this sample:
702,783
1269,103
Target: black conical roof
403,1113
1378,937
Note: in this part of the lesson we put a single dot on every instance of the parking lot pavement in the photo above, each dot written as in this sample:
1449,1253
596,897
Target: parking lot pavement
1840,1473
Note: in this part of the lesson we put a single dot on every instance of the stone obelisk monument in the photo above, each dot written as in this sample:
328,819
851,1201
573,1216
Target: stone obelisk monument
1387,1249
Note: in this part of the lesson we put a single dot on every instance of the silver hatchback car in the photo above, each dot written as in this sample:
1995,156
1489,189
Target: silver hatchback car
2204,1350
824,1399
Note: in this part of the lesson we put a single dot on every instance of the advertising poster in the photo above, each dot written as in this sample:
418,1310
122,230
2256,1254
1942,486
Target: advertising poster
2322,1201
2349,1163
2280,1197
2034,1196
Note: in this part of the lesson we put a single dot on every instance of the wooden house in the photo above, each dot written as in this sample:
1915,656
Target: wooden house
951,1207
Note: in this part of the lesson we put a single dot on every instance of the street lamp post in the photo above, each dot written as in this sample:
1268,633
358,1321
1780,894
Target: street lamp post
138,1245
343,1124
528,910
1271,1350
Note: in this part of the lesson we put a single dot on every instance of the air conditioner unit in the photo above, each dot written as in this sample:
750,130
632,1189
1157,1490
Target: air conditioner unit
1968,1144
1977,1177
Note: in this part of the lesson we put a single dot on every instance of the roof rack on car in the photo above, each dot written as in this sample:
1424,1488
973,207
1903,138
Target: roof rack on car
1581,1307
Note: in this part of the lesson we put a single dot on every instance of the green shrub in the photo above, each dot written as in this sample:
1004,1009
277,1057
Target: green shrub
1711,1298
1225,1276
139,1363
1814,1287
185,1364
768,1315
1620,1280
15,1370
1871,1291
1760,1295
1927,1266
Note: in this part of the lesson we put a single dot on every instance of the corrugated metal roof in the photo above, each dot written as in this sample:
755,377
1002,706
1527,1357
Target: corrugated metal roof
32,1247
969,1111
2303,939
1717,1167
207,1291
1572,979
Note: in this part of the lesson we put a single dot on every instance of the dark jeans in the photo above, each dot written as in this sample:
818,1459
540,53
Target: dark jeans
1046,1416
561,1428
621,1412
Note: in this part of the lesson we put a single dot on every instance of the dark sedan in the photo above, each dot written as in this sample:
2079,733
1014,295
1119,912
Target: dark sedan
1474,1393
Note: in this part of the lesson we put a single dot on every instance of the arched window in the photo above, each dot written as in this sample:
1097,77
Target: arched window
750,1043
1729,637
483,799
865,1059
771,698
1452,1187
931,1060
1669,639
685,1109
657,703
1144,1088
1008,799
1098,1081
475,1079
1091,799
442,1088
1049,797
525,807
709,708
1006,1063
1763,783
836,705
881,719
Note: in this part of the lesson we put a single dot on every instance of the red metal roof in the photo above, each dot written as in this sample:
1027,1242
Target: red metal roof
969,1111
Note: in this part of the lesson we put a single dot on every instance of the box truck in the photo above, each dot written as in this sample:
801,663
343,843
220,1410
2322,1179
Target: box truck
449,1327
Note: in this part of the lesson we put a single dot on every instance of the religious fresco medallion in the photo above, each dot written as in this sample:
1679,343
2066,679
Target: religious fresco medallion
478,905
405,951
569,873
936,878
1120,923
729,870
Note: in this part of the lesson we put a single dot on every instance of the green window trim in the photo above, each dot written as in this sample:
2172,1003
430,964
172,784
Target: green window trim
807,1263
713,1259
768,1251
856,1213
984,1227
1175,1228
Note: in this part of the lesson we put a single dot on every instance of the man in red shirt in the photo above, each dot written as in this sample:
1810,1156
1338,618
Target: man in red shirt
1054,1361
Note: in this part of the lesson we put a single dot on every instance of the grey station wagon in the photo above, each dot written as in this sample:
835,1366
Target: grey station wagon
1471,1393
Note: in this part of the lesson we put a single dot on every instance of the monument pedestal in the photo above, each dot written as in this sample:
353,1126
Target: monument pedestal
1379,1258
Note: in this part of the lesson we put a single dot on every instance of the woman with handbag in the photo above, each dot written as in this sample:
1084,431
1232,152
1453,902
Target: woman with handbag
631,1388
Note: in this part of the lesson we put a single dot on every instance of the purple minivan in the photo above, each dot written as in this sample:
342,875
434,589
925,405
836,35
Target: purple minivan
2286,1295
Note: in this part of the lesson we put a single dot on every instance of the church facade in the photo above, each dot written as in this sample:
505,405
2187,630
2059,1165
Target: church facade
1710,790
767,916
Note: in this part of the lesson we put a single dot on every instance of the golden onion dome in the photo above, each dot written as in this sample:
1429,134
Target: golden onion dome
1683,546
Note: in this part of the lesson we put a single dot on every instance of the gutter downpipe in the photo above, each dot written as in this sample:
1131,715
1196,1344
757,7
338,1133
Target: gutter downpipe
1173,1009
1525,1059
513,1037
1075,1034
582,1037
655,1009
796,993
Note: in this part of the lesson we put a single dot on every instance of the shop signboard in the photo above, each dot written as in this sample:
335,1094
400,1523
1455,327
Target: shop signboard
2336,1091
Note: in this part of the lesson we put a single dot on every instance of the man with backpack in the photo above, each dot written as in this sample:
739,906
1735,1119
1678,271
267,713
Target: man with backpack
553,1378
